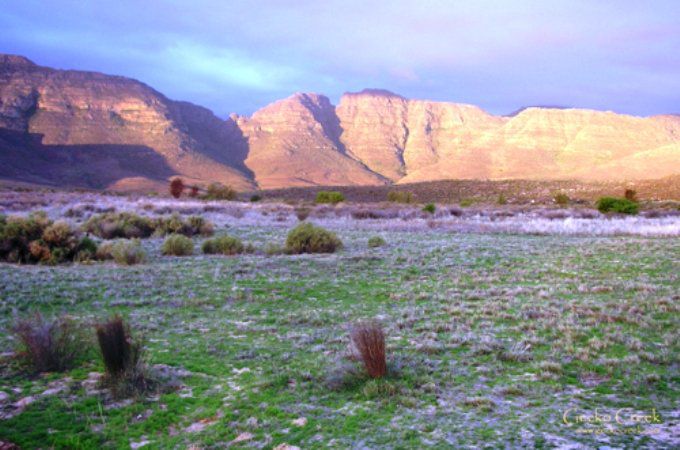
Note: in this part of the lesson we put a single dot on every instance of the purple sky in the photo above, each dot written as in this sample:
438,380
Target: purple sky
237,56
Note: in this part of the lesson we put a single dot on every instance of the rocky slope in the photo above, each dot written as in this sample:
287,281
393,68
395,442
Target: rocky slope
94,130
114,131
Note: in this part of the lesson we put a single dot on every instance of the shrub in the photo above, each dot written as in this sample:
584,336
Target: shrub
561,199
302,213
616,205
255,198
369,339
48,345
36,239
306,238
128,252
120,225
376,241
174,224
176,187
501,199
123,357
630,194
466,202
177,245
400,197
218,191
223,245
429,208
333,197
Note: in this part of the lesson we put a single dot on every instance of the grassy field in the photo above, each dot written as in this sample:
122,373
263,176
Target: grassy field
493,340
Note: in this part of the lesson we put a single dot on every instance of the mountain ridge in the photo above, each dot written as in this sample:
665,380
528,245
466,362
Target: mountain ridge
371,137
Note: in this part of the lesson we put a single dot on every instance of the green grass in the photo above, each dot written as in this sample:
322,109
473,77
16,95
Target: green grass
263,335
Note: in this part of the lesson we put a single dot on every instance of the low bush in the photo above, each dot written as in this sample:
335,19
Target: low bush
617,205
255,198
128,253
306,238
561,199
177,245
502,200
376,241
120,225
430,208
122,355
630,194
48,345
132,226
400,197
218,191
223,245
36,239
333,197
369,340
302,213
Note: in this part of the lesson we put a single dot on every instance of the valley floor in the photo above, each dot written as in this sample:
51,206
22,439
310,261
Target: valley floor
495,336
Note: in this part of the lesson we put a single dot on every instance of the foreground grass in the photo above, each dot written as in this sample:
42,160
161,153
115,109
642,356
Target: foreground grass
490,339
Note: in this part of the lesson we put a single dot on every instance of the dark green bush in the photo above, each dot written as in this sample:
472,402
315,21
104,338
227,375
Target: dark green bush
617,205
177,245
430,208
223,245
218,191
400,197
36,239
376,241
306,238
329,197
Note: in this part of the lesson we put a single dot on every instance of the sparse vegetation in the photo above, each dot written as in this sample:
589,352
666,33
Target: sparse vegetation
617,205
376,241
127,252
132,226
177,245
369,340
223,245
502,200
400,197
307,238
218,191
48,345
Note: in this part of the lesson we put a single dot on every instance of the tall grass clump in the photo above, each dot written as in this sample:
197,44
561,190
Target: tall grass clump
48,345
333,197
369,340
400,197
177,245
122,355
617,205
223,245
307,238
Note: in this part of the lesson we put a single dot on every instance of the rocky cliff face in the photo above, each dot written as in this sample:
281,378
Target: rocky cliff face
95,130
71,108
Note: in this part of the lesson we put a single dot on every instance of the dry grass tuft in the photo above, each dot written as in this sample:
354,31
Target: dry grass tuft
369,339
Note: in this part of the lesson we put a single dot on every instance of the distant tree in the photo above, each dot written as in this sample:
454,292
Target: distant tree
631,195
176,187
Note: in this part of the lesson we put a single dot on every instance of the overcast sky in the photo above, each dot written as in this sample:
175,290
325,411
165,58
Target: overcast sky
237,56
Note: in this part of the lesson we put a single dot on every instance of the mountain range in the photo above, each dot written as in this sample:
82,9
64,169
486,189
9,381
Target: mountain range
84,129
